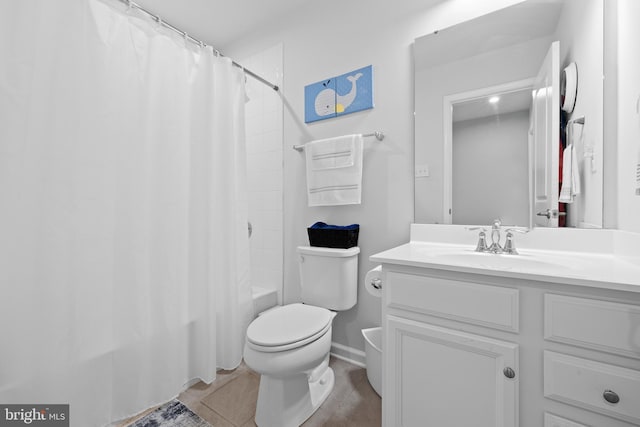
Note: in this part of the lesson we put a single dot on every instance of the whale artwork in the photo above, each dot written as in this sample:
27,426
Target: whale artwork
325,100
340,95
328,101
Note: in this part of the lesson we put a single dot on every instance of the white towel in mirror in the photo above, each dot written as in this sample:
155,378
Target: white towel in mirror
570,175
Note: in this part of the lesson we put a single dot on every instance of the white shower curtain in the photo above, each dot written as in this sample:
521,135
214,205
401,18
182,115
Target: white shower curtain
124,255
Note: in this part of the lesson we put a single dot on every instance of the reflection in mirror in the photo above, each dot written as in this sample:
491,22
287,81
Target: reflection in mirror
508,47
489,143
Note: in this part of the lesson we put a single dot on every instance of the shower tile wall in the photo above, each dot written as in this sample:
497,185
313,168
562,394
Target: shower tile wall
264,112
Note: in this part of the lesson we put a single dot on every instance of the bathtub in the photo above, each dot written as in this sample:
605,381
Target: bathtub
263,299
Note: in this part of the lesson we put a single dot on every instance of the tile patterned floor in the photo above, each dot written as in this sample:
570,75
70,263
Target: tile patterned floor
230,401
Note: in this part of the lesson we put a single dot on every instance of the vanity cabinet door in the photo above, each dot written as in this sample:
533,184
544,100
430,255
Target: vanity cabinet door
442,377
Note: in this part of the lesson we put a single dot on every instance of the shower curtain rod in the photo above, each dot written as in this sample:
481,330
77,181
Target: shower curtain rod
184,34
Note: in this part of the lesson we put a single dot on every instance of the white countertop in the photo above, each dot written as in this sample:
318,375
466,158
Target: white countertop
606,259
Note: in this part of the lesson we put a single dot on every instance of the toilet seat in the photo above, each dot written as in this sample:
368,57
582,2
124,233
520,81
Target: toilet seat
288,327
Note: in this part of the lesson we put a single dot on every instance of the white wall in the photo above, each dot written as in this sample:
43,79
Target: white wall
488,177
627,119
580,30
264,169
327,39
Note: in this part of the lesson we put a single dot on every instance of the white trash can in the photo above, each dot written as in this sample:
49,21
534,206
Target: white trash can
373,355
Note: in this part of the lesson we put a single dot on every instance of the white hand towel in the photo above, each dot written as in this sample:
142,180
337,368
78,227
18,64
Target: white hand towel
331,180
575,173
567,176
331,153
570,175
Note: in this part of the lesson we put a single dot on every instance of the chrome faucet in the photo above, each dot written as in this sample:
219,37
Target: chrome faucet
495,248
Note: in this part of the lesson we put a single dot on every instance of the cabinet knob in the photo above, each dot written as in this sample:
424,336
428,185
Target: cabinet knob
611,396
508,372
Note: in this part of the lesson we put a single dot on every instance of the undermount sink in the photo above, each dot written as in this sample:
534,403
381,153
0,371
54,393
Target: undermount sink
466,257
488,260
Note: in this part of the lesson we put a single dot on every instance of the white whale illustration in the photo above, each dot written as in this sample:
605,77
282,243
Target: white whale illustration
329,102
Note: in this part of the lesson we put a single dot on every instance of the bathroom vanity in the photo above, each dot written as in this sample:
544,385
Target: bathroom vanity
549,337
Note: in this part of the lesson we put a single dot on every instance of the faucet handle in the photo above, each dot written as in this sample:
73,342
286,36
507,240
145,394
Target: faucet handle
482,238
482,241
521,230
509,246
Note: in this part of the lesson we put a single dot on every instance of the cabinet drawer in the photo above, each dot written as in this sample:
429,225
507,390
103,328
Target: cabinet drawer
599,325
583,382
485,305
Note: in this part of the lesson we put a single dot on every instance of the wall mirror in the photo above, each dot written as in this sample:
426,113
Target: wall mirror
488,139
488,121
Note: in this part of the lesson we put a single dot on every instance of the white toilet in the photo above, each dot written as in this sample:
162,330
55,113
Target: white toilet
289,345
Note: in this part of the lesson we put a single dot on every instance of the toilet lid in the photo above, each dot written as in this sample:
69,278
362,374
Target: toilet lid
288,324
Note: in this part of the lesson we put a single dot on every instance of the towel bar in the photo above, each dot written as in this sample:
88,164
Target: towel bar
378,134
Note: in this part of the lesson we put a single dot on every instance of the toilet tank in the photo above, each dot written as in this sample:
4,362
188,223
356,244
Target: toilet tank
328,276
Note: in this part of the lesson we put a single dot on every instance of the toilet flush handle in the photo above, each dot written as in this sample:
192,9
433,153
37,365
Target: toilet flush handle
301,259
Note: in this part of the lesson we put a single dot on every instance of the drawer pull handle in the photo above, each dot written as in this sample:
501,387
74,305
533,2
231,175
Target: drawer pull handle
611,396
509,373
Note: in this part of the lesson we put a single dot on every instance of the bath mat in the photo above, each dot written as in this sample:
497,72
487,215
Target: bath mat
171,414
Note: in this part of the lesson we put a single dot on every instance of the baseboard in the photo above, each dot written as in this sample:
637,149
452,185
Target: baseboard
348,354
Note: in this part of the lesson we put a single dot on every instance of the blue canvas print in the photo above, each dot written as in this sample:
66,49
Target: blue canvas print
354,91
340,95
320,100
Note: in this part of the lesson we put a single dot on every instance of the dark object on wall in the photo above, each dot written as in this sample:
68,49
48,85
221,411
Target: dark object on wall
333,236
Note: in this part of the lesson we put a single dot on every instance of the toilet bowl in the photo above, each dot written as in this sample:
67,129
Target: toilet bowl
289,345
